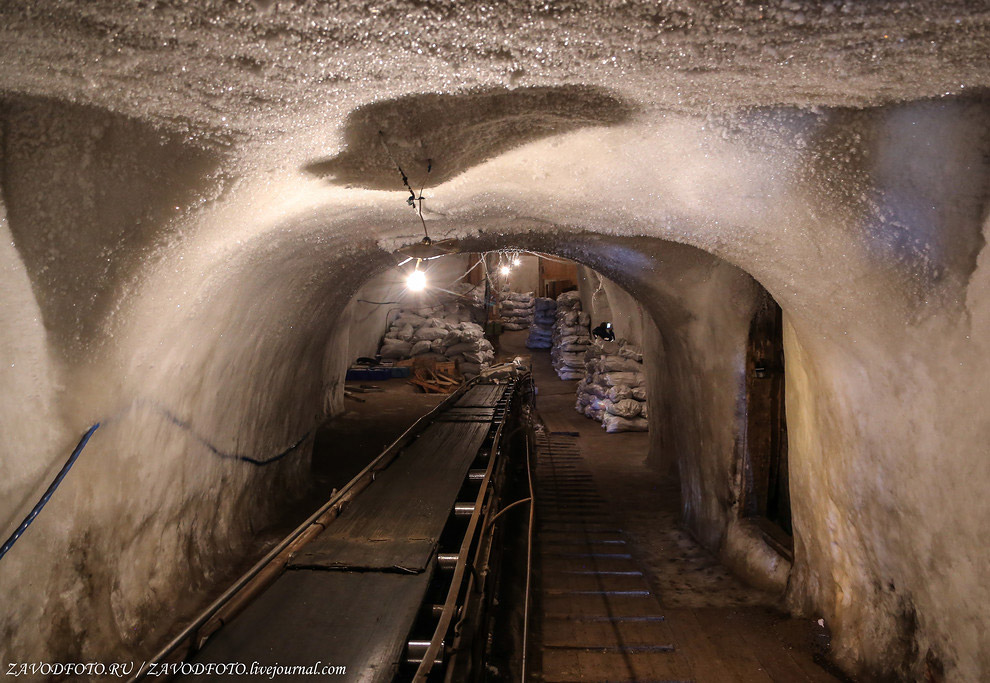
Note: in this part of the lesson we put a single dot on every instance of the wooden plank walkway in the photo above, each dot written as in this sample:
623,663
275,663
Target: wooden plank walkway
597,618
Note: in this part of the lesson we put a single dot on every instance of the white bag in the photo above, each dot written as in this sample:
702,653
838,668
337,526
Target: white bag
420,348
614,423
632,379
627,408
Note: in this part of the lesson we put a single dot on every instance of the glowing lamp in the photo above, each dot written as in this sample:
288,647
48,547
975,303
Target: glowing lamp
504,271
416,281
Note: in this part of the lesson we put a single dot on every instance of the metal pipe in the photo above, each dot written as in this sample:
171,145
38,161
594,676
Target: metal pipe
529,559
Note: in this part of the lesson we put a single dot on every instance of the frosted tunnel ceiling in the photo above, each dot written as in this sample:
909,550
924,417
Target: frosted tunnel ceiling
433,137
267,71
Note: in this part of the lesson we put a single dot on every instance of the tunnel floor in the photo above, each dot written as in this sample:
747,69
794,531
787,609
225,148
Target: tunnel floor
597,487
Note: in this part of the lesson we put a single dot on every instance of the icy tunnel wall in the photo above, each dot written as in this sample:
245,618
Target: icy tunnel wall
867,227
606,301
181,344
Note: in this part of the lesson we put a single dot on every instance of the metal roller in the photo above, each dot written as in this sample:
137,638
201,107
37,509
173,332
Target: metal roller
416,650
463,509
447,561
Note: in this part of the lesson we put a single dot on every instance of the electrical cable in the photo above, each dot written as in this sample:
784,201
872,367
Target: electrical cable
529,561
507,508
259,462
9,543
405,181
467,272
547,257
168,415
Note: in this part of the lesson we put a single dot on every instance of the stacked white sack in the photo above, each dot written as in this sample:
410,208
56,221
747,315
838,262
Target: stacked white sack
541,331
467,345
466,293
439,333
517,309
570,337
614,388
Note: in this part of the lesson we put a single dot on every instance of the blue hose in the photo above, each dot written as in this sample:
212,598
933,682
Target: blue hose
8,544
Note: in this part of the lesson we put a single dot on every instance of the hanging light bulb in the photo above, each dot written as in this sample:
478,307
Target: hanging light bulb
504,271
515,260
416,280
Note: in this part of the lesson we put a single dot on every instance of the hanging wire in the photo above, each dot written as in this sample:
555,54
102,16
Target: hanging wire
413,199
467,272
546,256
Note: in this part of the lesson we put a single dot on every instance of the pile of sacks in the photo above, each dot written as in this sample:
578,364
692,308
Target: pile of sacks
614,388
468,295
570,337
517,309
438,333
541,331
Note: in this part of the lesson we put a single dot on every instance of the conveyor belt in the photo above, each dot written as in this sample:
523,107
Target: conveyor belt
480,396
350,597
357,620
469,414
395,524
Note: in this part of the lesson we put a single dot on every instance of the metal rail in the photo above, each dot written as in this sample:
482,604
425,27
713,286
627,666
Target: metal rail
259,576
469,640
450,606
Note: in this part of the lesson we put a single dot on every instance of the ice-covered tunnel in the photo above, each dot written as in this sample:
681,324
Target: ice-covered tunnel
192,198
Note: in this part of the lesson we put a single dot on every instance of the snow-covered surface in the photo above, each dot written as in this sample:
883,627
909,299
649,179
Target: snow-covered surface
175,245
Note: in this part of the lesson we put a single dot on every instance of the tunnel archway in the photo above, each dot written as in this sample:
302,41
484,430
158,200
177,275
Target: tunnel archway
844,363
292,378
